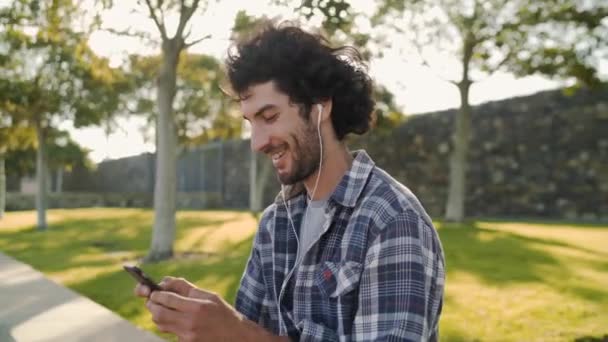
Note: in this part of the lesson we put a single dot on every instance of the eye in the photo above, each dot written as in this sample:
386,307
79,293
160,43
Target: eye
271,118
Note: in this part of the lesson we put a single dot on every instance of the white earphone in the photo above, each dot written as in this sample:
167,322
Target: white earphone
320,109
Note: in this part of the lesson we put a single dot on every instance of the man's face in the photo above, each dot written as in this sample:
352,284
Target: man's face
279,131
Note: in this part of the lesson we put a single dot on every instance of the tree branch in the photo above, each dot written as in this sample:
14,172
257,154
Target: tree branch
196,41
188,33
425,63
159,24
185,14
129,33
500,64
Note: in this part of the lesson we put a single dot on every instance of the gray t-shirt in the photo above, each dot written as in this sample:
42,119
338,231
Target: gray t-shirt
312,225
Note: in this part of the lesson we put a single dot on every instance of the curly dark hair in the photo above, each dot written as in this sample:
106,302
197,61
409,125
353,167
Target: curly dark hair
308,70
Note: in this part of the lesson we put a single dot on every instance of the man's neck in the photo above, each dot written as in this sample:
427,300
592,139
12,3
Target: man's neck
337,160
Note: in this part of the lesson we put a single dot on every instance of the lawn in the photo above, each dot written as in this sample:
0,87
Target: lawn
506,281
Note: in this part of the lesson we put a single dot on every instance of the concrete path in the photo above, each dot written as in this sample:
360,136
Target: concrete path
34,308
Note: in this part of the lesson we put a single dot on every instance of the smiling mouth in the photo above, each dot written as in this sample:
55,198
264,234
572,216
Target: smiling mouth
277,155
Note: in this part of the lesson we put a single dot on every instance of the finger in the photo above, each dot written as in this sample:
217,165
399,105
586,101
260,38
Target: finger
178,285
174,301
165,317
166,328
142,290
202,294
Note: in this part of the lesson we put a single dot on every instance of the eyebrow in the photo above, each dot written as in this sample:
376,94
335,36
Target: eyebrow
261,110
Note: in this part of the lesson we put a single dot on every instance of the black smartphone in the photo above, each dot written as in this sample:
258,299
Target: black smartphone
141,277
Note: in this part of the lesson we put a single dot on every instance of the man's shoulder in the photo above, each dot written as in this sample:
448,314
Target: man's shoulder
265,226
268,214
388,197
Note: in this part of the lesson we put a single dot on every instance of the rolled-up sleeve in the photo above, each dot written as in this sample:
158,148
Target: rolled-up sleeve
400,293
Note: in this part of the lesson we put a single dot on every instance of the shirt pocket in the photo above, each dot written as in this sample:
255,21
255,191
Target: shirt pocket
335,279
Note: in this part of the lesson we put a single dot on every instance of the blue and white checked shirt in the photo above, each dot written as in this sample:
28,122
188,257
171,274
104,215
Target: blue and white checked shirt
376,273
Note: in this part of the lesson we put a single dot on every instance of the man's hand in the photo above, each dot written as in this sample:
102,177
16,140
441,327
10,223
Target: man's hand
194,314
178,285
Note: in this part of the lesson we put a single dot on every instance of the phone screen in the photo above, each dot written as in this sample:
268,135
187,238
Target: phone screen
141,277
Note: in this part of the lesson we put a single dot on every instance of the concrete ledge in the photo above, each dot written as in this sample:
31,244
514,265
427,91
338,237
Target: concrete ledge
34,308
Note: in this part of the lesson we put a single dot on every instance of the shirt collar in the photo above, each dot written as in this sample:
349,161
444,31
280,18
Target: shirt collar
351,185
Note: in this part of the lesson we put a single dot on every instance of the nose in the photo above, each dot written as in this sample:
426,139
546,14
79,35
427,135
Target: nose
259,139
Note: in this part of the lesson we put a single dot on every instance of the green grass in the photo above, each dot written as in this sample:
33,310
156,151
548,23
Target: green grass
85,250
506,281
526,282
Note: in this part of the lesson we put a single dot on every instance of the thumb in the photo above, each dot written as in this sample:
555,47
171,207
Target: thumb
177,285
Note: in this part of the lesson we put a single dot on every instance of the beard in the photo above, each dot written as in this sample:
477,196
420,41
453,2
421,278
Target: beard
305,155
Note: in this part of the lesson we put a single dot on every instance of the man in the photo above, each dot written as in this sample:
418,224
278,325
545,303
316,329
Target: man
345,252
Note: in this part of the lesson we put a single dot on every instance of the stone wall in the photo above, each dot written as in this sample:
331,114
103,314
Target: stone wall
544,155
133,174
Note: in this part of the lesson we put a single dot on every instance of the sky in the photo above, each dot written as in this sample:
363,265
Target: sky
417,89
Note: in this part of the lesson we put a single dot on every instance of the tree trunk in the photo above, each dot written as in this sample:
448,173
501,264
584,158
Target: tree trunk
59,180
41,177
165,187
455,206
259,179
458,160
2,187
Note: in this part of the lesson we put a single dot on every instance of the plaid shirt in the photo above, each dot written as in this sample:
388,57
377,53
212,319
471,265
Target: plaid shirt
375,273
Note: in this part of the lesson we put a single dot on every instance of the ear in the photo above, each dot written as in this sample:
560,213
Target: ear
325,107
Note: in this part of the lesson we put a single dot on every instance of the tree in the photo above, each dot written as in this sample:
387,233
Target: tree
340,22
557,38
12,138
202,112
55,74
388,115
63,154
172,46
14,135
259,169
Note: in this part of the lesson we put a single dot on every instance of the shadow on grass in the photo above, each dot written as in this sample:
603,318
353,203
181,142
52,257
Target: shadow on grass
114,289
592,339
500,258
494,256
549,223
227,266
65,243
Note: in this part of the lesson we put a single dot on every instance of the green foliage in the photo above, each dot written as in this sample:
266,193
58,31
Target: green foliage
52,75
338,14
388,116
244,24
49,71
16,137
556,38
63,152
202,111
338,23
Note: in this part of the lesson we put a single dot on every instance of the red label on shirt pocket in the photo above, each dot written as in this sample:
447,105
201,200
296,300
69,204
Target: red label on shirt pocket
337,278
